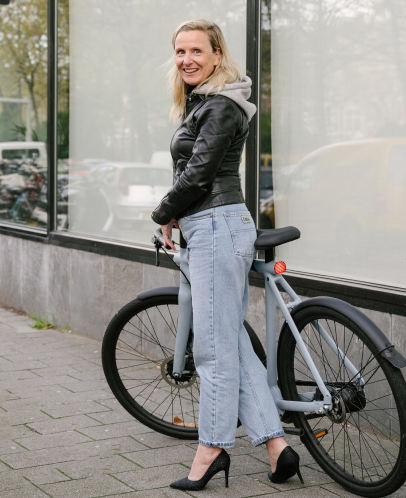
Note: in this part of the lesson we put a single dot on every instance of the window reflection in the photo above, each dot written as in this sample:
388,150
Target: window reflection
114,138
23,113
338,135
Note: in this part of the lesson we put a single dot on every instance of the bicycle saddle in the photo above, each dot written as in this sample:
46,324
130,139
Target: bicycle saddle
268,239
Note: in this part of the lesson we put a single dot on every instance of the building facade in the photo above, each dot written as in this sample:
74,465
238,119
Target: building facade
85,135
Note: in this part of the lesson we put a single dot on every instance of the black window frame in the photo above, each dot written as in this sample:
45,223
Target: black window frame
373,297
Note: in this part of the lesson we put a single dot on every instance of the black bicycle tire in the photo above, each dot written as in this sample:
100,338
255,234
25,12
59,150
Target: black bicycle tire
393,375
113,378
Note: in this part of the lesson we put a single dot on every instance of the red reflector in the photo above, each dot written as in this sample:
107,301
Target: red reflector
279,267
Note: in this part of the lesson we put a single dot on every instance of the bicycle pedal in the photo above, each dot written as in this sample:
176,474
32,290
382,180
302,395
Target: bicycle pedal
292,431
320,432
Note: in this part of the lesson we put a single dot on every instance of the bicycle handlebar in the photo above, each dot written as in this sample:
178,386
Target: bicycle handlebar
158,238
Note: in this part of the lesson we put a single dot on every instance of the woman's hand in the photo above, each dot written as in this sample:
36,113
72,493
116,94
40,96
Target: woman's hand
167,232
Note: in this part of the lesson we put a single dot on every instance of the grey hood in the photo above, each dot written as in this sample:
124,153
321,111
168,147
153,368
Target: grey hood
239,92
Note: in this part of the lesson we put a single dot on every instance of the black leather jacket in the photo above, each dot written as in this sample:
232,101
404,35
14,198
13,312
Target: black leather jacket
206,151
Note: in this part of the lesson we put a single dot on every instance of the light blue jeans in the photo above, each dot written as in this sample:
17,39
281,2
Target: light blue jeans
220,248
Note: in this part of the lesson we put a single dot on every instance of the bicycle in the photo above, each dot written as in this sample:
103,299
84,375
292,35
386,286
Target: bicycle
333,374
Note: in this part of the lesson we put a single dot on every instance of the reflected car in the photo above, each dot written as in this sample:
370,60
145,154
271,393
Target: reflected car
23,150
82,168
267,195
132,190
349,193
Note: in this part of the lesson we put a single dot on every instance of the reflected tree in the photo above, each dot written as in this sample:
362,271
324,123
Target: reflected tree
23,52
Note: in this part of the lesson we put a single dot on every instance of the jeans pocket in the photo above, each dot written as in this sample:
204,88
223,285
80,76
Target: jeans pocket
198,216
243,232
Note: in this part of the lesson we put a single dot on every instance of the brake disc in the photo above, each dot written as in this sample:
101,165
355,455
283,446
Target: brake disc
186,380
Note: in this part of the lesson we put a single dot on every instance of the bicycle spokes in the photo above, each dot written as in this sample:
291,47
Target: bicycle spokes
144,357
363,430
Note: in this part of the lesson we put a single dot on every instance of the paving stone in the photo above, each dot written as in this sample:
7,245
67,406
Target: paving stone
77,386
96,486
14,432
151,478
4,468
57,395
76,454
246,464
113,404
57,371
239,487
116,430
76,409
7,314
21,404
310,476
59,361
156,440
43,475
24,329
163,456
37,458
8,366
16,375
17,320
12,480
63,439
305,457
6,396
10,447
342,493
22,417
105,448
96,465
51,426
21,357
88,366
36,382
29,491
112,417
154,493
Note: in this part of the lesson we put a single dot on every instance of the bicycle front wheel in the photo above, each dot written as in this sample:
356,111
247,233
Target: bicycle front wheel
364,446
137,354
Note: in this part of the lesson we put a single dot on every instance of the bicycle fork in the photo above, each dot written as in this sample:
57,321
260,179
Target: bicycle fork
185,316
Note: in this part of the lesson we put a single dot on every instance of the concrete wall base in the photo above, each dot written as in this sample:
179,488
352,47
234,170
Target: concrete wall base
84,290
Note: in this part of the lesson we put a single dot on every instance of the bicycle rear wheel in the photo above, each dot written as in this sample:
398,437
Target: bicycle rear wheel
137,355
364,448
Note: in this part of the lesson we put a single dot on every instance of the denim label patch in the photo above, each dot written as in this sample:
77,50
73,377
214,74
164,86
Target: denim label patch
246,219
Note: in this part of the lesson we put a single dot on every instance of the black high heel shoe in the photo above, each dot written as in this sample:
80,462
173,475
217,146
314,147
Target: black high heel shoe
286,467
221,462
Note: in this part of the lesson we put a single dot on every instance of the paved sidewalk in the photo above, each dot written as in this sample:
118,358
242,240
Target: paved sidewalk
62,433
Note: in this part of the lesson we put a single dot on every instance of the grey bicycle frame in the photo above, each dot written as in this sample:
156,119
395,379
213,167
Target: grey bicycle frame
272,297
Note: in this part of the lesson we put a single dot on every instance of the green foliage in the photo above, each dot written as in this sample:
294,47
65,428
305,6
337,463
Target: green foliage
43,323
20,131
266,133
6,132
63,135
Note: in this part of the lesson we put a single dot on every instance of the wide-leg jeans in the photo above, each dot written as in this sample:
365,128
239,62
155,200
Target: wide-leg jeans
220,248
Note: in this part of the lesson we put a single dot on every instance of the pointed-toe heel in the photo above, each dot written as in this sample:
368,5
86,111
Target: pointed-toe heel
286,467
221,462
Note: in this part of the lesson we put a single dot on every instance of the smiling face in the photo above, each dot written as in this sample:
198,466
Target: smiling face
194,56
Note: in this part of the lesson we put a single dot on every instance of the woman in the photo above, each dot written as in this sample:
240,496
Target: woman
207,204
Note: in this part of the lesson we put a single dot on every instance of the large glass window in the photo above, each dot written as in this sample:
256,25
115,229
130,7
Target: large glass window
338,135
114,162
23,112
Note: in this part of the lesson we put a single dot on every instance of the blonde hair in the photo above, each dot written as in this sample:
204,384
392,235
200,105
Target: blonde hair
227,71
